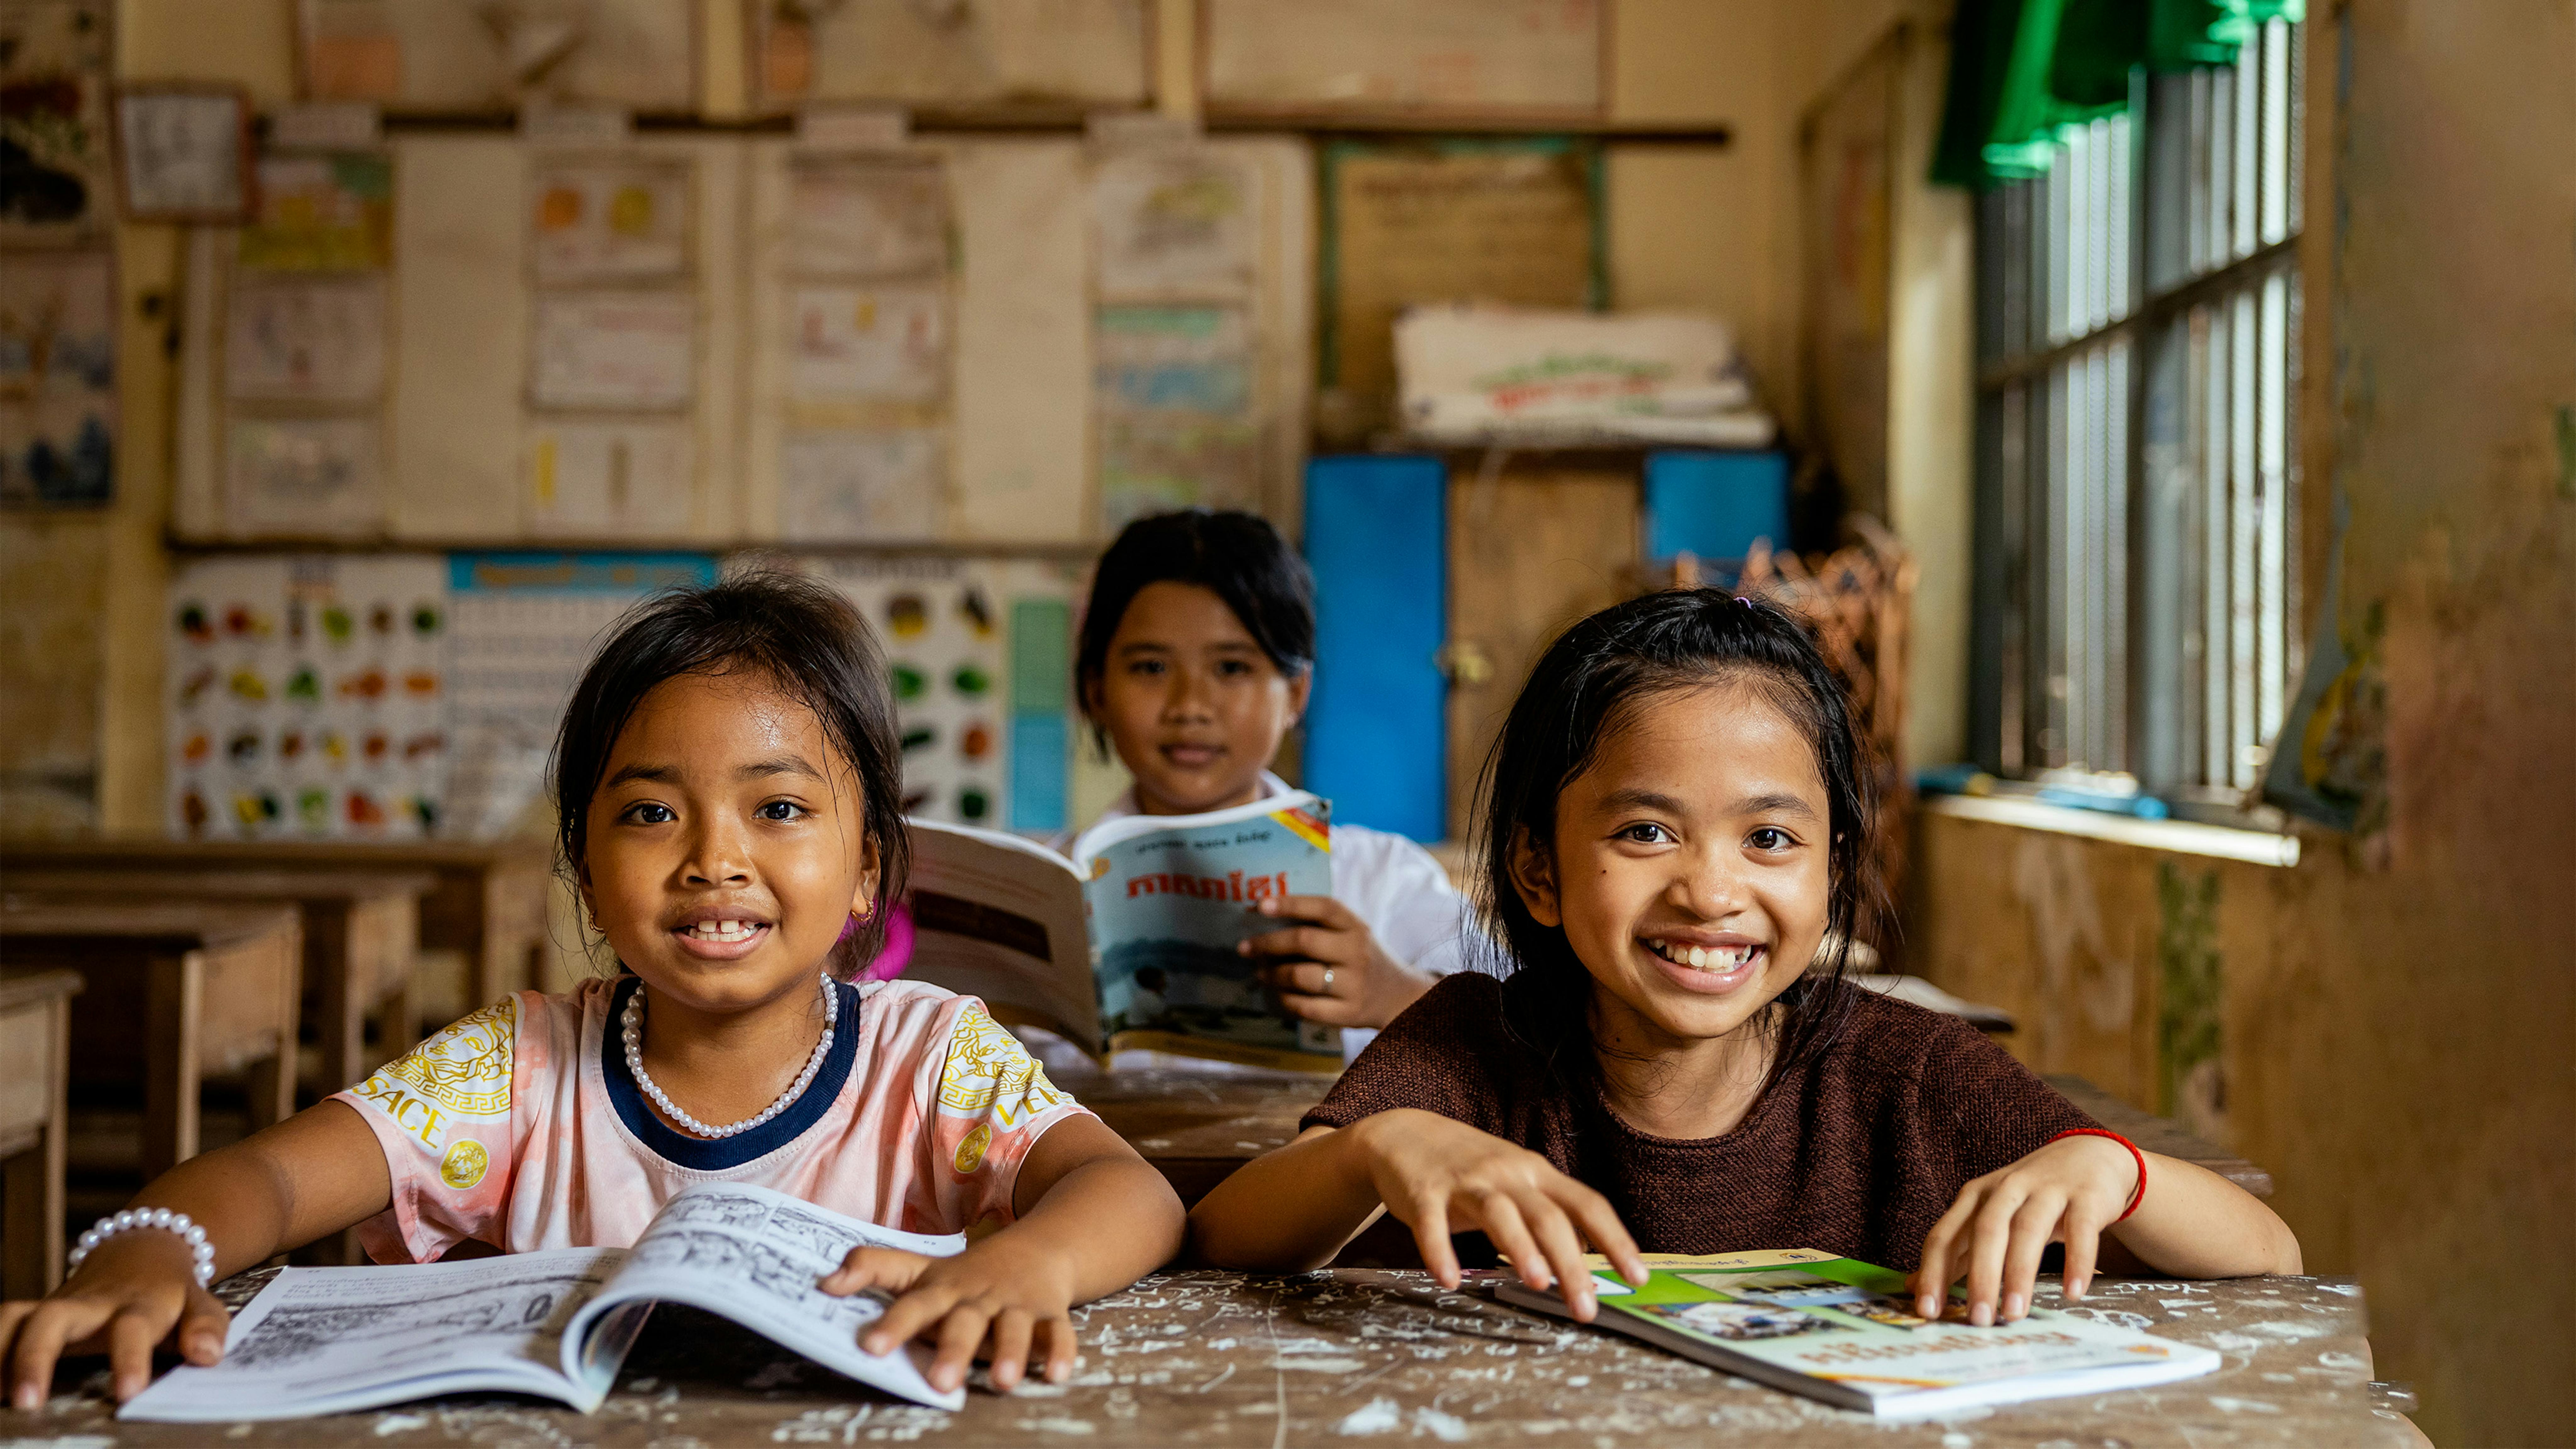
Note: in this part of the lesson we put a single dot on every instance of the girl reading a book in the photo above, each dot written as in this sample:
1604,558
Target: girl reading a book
727,782
1673,851
1196,657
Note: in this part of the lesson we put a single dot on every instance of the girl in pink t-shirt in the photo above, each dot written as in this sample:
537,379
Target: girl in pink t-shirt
729,785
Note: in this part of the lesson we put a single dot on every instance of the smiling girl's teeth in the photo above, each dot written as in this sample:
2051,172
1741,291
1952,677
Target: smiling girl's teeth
1704,958
724,930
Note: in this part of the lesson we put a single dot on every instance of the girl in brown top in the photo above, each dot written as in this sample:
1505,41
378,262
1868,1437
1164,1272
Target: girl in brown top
1673,855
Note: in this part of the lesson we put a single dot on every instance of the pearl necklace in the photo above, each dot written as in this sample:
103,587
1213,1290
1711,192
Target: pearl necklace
634,1030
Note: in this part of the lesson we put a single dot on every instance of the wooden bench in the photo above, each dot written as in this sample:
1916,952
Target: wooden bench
177,992
35,1123
489,903
361,932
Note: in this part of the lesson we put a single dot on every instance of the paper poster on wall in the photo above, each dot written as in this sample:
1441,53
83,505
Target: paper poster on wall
1175,222
941,624
307,697
525,625
322,214
609,220
609,479
614,349
57,378
878,217
858,343
305,475
437,56
943,51
1172,390
846,486
56,57
298,339
184,152
1471,57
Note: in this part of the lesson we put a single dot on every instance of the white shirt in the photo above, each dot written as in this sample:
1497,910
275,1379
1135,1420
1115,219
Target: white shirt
1393,885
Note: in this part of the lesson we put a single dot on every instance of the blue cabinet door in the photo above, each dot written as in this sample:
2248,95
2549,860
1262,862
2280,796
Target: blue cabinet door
1377,530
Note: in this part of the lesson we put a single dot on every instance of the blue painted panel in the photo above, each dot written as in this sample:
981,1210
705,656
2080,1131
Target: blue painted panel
1715,504
1377,736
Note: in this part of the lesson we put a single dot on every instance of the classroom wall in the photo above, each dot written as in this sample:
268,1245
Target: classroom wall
1690,226
2393,1015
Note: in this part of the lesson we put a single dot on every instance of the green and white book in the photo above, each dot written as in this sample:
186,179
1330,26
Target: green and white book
1845,1332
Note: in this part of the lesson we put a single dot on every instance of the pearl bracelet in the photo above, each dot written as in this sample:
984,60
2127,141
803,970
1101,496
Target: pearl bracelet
166,1219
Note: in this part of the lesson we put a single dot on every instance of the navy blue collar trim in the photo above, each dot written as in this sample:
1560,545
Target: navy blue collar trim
716,1155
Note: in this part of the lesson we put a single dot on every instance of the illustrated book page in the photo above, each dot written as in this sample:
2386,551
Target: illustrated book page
556,1324
1845,1332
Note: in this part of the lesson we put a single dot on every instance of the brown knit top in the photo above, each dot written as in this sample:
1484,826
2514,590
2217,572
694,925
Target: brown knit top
1858,1152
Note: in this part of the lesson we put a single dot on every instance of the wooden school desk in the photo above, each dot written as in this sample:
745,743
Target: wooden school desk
35,1125
177,992
1363,1357
489,904
361,931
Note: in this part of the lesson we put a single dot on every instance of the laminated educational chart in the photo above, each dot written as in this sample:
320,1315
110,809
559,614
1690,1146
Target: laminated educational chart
384,696
525,625
308,696
977,657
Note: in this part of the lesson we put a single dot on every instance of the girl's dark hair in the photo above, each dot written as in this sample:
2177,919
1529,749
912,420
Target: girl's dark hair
1587,686
1237,556
802,636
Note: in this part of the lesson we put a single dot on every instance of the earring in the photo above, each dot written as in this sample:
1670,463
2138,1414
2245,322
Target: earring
863,911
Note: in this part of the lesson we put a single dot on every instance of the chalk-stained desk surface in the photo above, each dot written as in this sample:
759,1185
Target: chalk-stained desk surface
1357,1356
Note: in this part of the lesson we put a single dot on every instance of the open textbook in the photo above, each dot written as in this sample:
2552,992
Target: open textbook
1845,1332
556,1324
1130,942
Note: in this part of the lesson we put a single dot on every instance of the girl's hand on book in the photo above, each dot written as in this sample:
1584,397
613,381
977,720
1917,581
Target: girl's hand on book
126,1299
999,1300
2066,1192
1330,968
1441,1176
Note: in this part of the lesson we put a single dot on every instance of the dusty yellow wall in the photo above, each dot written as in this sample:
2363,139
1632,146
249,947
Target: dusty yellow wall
2395,1014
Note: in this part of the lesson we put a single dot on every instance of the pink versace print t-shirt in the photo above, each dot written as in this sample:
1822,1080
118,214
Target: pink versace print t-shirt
523,1127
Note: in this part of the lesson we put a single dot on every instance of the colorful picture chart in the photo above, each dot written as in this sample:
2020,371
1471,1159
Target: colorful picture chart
308,697
524,627
55,60
940,625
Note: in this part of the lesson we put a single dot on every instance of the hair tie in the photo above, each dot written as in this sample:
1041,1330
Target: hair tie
1748,603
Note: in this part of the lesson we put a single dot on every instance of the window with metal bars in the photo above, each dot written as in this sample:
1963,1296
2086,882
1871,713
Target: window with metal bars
2138,318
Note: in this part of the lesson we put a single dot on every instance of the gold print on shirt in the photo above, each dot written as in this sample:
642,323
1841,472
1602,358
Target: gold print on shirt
463,1071
464,1164
970,1153
989,1071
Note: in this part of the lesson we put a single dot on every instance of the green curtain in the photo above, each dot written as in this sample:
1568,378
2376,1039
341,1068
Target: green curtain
2021,69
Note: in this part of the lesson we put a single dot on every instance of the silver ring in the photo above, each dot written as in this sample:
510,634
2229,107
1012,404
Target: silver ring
1328,981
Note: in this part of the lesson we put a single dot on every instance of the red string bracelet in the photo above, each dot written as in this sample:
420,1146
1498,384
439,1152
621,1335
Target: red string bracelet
2140,1194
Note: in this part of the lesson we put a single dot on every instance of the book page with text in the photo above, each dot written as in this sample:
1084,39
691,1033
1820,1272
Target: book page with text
754,1256
331,1340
